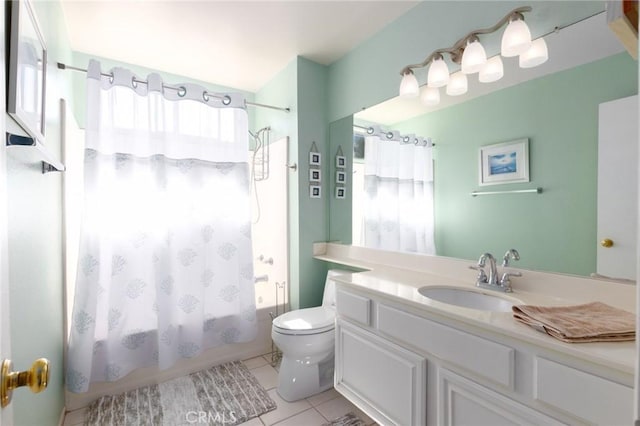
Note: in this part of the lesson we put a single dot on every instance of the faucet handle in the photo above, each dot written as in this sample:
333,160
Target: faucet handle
505,281
510,254
482,276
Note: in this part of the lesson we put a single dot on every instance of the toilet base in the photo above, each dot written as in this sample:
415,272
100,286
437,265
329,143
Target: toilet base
298,379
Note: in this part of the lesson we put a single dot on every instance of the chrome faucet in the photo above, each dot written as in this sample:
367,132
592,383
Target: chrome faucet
491,281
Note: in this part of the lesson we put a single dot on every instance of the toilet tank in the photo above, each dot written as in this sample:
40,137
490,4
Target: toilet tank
329,297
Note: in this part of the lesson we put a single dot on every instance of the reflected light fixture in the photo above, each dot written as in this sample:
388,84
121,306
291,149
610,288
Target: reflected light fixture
458,84
537,54
469,53
430,96
492,71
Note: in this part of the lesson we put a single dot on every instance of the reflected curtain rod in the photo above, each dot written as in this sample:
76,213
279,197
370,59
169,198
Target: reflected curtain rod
71,67
366,129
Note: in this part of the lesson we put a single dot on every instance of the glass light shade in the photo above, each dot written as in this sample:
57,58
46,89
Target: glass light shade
438,75
536,55
492,71
473,57
409,87
457,85
430,96
516,38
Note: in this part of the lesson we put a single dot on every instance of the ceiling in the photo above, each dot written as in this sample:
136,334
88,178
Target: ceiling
239,44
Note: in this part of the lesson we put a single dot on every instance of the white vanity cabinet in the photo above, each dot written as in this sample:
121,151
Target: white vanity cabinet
407,367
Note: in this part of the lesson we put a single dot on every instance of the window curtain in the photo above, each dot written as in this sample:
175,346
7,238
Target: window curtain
165,264
398,193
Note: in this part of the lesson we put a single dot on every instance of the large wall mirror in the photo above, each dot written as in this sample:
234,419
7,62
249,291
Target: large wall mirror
554,107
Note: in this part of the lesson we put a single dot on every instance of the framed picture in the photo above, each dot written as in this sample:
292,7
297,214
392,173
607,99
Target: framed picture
506,162
314,158
315,191
340,192
341,161
315,175
27,70
341,177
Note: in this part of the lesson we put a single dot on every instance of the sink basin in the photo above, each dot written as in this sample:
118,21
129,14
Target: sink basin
467,298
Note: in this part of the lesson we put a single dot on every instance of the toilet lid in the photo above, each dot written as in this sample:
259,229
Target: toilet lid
305,321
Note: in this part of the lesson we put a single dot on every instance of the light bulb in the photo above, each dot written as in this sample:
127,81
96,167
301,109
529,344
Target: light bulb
409,87
430,96
457,85
536,55
516,38
473,57
492,71
438,75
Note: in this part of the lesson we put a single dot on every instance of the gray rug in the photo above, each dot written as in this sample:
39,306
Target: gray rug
348,419
226,394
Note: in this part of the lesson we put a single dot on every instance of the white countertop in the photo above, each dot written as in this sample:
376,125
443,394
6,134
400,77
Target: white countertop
401,285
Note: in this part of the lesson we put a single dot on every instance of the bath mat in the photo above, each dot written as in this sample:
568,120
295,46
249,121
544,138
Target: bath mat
226,394
348,419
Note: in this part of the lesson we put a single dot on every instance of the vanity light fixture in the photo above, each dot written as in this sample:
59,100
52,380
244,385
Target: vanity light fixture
409,87
472,57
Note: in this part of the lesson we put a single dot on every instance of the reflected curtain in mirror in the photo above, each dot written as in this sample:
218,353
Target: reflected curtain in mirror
398,194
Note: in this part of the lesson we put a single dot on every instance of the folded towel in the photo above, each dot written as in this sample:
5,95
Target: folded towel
591,322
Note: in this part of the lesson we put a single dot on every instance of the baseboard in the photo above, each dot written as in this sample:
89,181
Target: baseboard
62,414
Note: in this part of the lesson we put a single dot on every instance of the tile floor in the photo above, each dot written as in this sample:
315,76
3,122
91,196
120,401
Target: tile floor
313,411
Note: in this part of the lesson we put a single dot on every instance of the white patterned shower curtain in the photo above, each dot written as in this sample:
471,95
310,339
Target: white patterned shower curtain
398,194
165,266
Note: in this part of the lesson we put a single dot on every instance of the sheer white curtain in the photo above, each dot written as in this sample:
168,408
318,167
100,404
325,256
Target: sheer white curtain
398,194
165,265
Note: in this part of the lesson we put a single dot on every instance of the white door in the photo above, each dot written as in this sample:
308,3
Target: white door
618,188
6,415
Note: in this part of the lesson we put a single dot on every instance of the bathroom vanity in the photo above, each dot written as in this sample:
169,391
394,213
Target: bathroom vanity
406,359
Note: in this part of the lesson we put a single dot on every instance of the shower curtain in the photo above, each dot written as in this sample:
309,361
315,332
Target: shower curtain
165,266
398,208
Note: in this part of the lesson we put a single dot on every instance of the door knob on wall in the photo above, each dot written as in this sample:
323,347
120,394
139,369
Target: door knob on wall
37,378
606,243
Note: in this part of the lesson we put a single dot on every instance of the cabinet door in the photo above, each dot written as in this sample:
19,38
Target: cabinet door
384,380
462,402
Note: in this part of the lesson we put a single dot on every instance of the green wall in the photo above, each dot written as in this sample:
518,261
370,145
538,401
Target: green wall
313,218
341,136
370,73
559,114
35,243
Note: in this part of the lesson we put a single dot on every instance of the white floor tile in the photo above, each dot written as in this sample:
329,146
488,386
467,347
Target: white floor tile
323,397
256,362
267,376
76,417
338,407
285,409
253,422
307,418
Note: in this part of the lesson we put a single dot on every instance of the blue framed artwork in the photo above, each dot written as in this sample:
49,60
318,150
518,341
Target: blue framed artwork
506,162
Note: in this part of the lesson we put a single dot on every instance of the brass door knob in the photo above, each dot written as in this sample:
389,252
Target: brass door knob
37,378
606,243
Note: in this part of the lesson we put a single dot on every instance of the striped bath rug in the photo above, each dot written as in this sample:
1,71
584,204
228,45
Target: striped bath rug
226,394
348,419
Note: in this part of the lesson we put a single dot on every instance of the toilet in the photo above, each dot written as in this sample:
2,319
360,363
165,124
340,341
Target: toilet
306,339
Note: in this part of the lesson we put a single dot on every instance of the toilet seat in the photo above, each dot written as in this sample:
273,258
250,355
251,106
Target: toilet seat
305,321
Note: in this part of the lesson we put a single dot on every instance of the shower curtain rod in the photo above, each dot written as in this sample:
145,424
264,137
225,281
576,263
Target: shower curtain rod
71,67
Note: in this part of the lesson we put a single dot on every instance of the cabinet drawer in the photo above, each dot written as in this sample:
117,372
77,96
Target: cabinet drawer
487,359
354,307
581,394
